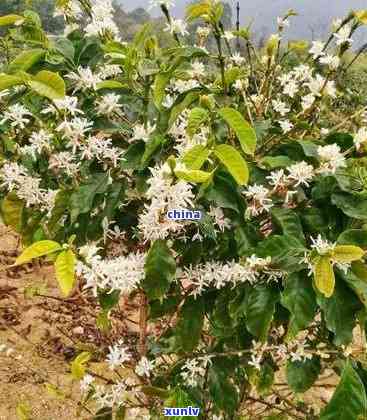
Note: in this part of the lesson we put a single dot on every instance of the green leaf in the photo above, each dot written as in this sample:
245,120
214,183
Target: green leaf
300,300
223,392
197,117
153,391
349,399
160,268
190,324
259,310
193,175
81,201
54,391
360,270
7,81
195,157
357,281
289,222
264,379
78,365
150,147
103,321
23,411
12,210
65,271
48,84
177,109
10,19
324,276
159,89
347,253
37,250
197,10
272,162
356,237
111,84
302,375
108,300
234,162
351,205
245,133
104,413
26,60
340,312
285,252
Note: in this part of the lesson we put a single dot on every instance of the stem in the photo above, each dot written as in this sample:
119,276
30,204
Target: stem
221,58
143,317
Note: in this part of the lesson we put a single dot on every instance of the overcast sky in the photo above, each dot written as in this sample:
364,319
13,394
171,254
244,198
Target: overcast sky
314,15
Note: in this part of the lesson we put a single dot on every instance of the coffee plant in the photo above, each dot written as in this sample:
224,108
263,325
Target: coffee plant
101,139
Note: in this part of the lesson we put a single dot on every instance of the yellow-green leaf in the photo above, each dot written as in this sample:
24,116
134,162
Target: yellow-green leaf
54,391
195,157
360,270
245,133
193,175
78,365
10,19
36,250
347,253
26,60
361,15
324,276
48,84
196,118
234,162
23,411
11,211
7,81
65,271
111,84
198,10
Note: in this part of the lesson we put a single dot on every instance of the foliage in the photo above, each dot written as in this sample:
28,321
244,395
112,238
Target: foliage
100,139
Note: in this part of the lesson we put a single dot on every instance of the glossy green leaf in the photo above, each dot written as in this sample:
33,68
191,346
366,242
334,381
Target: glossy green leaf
351,205
259,310
357,237
36,250
300,300
160,268
197,117
302,375
193,175
48,84
245,133
289,221
195,157
234,162
65,271
349,399
27,59
190,323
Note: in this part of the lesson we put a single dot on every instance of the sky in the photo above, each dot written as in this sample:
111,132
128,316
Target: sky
312,22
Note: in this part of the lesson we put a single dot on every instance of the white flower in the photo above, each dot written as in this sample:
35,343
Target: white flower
286,126
360,137
69,9
85,383
324,131
184,85
197,70
12,175
84,79
290,88
278,179
331,158
316,85
64,161
282,23
102,14
317,49
302,173
259,195
158,3
142,133
343,35
74,130
203,31
219,219
109,70
333,61
239,85
228,35
109,104
118,355
335,24
322,246
255,362
101,149
307,101
237,59
192,372
144,367
280,107
169,100
177,26
39,141
68,104
4,93
16,114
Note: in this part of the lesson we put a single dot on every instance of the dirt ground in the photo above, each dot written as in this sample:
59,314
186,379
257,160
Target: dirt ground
40,335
